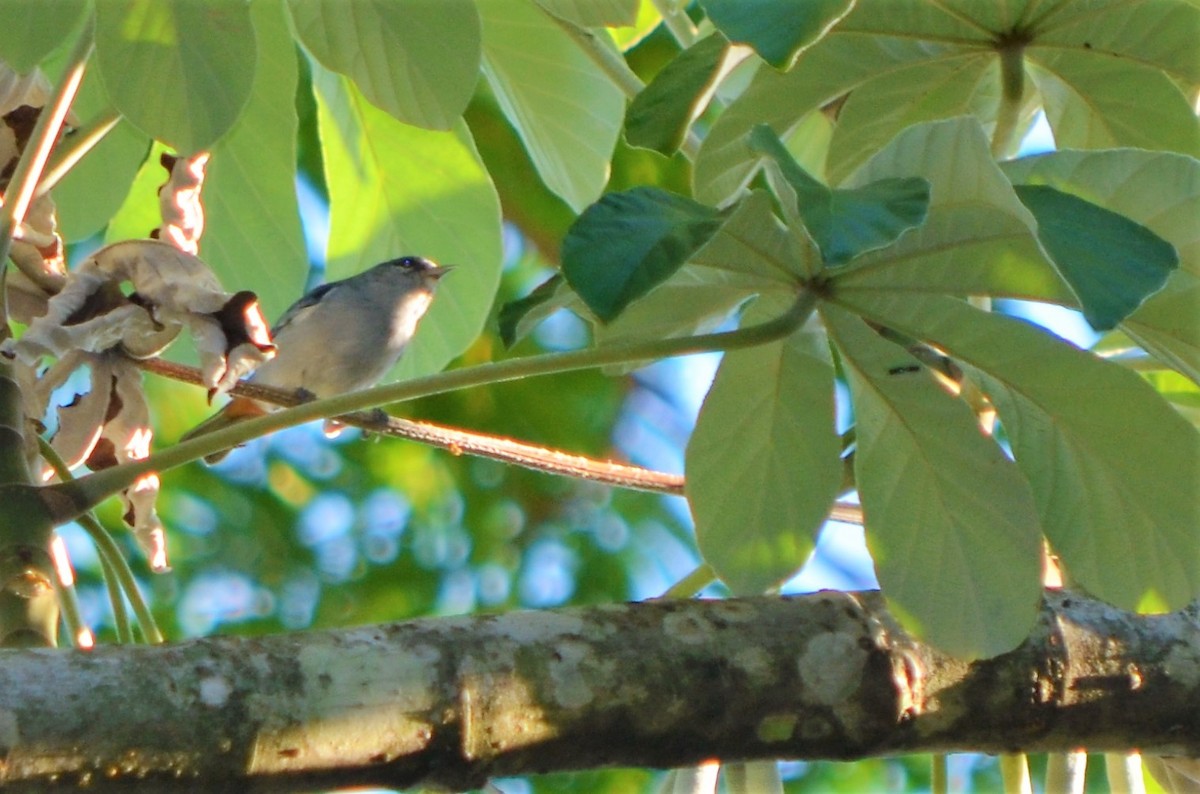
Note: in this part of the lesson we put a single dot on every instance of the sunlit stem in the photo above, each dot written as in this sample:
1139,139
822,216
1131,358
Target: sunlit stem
86,492
677,21
1065,773
37,151
117,574
68,601
73,150
1014,771
1124,773
691,584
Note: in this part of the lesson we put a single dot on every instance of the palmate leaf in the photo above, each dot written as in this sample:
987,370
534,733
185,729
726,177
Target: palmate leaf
762,464
1097,64
1112,466
1162,191
847,222
1111,262
978,237
950,521
627,243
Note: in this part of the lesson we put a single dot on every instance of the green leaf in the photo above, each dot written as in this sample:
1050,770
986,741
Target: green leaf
516,316
593,13
848,222
1094,103
751,254
1102,68
418,61
776,31
978,238
659,116
396,189
880,109
138,214
950,521
627,243
1162,192
538,75
95,187
1112,466
181,71
1111,262
763,463
32,30
252,233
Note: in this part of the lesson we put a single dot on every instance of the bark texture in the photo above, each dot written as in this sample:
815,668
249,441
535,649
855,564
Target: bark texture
454,701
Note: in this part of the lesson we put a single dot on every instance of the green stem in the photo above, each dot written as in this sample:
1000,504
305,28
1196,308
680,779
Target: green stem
117,573
120,613
939,782
37,151
68,604
88,491
692,583
676,21
1014,771
1012,79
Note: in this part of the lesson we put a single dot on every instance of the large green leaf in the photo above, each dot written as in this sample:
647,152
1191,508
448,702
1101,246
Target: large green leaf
95,187
950,521
1098,63
751,254
1111,262
978,237
1161,191
138,214
593,13
776,31
762,464
540,77
395,189
252,234
181,71
627,243
33,30
876,111
1113,467
848,222
417,60
659,116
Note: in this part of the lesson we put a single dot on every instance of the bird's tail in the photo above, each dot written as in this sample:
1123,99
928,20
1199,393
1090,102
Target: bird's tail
239,409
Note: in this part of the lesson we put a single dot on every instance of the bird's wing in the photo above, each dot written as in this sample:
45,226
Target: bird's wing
302,306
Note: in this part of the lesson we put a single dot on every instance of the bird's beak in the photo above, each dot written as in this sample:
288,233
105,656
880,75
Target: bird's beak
441,271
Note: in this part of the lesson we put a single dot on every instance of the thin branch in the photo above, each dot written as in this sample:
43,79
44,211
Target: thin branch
76,146
76,497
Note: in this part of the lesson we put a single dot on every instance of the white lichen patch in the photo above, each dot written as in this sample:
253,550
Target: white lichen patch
831,667
538,626
215,691
687,627
568,684
754,661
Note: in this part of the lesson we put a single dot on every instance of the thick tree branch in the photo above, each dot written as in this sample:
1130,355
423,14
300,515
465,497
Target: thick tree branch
453,701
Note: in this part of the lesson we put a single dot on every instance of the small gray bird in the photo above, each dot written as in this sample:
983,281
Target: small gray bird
341,337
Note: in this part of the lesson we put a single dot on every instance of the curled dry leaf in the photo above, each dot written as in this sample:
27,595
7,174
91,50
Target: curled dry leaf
179,202
171,289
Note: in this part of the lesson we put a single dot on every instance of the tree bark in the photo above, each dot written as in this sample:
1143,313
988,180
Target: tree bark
454,701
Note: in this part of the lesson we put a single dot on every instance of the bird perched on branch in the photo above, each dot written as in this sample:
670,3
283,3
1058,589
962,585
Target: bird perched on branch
341,337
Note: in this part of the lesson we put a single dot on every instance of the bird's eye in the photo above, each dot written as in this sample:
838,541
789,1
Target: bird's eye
408,261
